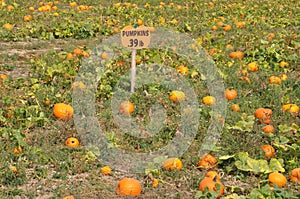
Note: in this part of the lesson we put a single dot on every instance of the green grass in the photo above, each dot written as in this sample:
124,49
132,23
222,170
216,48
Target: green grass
33,55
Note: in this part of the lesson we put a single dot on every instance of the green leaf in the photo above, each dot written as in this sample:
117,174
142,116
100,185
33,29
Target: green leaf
20,138
295,43
234,196
187,27
242,166
242,156
226,157
262,41
258,166
245,124
284,128
281,142
276,165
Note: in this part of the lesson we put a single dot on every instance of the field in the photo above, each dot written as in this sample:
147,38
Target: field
235,64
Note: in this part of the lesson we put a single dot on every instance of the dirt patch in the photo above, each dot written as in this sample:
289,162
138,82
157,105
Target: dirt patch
17,55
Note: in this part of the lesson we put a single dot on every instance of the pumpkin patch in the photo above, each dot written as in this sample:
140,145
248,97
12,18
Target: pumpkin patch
214,112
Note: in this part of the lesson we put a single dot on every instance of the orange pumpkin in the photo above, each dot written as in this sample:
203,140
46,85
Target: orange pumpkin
213,175
253,67
268,129
277,179
85,54
235,107
47,102
27,17
227,27
268,150
18,150
77,51
172,164
129,187
73,4
13,169
70,56
214,28
291,108
139,22
69,197
209,100
126,108
72,142
283,77
230,94
294,109
207,161
3,77
228,46
183,70
9,112
155,183
220,24
247,79
210,184
270,36
104,55
283,64
263,114
10,8
232,55
63,111
106,170
240,24
259,113
274,80
176,96
8,26
237,55
244,73
267,112
295,175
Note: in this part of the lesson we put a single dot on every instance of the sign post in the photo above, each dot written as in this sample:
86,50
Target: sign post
133,69
135,37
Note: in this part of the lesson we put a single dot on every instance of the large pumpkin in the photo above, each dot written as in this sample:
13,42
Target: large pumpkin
230,94
129,187
207,161
295,175
264,115
63,111
210,184
277,179
268,150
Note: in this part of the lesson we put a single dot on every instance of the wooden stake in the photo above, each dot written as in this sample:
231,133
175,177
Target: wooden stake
133,69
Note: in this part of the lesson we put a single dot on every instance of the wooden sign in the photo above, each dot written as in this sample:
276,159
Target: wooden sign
135,38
